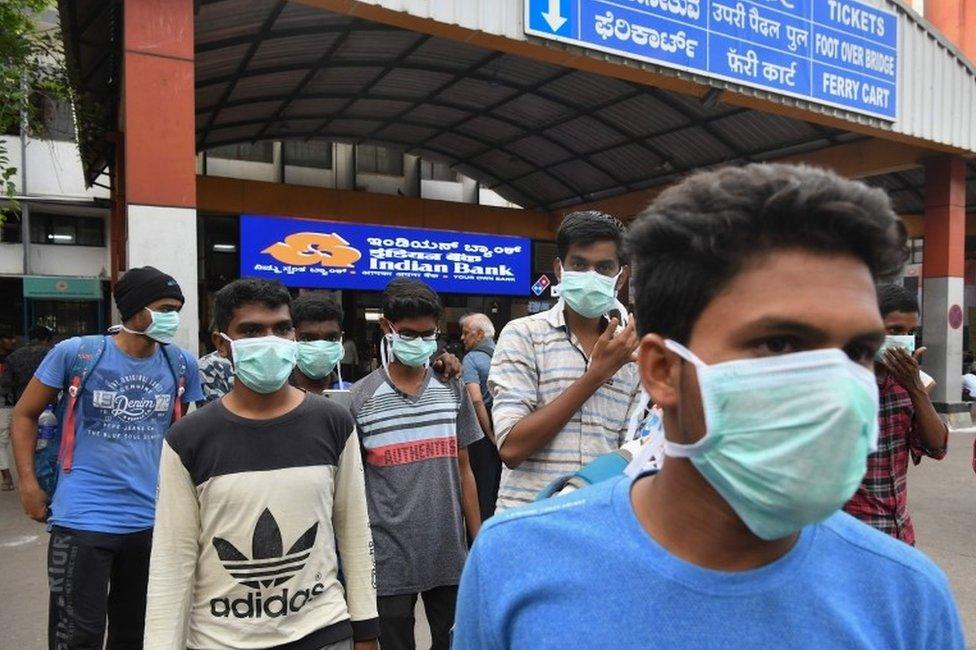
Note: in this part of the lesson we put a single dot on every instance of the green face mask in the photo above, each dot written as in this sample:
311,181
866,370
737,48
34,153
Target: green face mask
787,437
906,341
263,363
316,359
414,352
588,293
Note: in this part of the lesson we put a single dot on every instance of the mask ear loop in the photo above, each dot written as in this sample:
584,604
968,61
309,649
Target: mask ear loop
675,449
338,368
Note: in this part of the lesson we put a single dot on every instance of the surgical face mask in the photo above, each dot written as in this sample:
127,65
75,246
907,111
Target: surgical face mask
162,329
787,437
316,359
588,293
906,341
413,352
264,363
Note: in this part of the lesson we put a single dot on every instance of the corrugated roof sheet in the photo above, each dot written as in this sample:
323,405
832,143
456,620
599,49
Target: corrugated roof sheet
543,135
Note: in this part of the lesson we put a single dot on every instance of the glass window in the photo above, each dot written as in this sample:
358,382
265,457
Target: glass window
437,171
56,116
371,159
10,231
917,244
257,152
66,230
315,153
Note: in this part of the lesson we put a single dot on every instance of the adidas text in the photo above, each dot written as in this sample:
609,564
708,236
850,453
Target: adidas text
254,605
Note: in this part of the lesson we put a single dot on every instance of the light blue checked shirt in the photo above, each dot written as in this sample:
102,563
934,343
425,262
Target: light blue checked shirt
536,359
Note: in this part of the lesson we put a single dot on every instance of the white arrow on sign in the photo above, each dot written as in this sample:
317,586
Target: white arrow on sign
553,16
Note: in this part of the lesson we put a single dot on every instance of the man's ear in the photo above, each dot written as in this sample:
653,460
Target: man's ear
659,371
220,344
557,269
624,277
385,325
140,322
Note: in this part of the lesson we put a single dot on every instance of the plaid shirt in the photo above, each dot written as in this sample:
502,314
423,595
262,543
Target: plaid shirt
881,500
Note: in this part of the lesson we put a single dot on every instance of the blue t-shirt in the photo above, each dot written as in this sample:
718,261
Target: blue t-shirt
579,571
475,367
124,410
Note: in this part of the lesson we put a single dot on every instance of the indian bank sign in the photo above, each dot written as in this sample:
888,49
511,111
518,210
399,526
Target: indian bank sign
328,255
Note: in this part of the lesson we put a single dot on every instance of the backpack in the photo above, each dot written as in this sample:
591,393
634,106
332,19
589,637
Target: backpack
58,456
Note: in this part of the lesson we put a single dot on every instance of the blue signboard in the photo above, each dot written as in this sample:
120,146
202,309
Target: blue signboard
327,255
842,53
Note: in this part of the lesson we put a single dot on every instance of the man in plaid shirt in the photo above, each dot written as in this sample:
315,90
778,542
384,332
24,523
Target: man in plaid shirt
908,424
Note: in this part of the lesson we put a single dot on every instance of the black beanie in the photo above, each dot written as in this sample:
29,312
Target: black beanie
141,286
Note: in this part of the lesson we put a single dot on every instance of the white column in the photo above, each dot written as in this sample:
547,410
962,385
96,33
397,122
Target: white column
411,175
470,191
942,335
167,239
345,166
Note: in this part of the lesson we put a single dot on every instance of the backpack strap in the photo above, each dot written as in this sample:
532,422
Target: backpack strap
177,365
603,468
89,354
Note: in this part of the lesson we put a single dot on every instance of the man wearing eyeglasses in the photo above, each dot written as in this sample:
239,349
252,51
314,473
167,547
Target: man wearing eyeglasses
415,428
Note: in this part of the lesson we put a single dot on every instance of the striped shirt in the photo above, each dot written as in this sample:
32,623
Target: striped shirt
537,358
413,484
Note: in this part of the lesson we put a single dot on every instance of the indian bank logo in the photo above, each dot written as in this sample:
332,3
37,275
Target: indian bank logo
310,248
269,565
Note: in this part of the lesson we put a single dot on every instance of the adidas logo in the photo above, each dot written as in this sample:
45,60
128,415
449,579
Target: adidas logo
269,565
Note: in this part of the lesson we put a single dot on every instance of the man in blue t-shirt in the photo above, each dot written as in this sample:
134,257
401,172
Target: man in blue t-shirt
756,304
101,515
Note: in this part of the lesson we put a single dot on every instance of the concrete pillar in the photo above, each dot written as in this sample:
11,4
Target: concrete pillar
955,19
411,175
278,159
345,166
158,177
470,191
942,270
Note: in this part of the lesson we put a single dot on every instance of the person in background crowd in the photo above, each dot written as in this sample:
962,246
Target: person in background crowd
8,341
23,362
908,422
770,412
478,339
16,372
318,329
101,516
7,400
260,495
350,359
415,429
216,375
968,383
564,381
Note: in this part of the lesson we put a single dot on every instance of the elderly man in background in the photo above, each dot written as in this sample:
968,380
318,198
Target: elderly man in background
478,338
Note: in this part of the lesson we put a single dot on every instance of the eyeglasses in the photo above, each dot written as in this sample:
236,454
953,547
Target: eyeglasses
411,336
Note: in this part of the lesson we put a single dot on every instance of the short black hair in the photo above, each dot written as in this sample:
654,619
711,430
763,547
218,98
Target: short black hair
315,307
895,297
587,227
41,333
696,236
269,293
405,298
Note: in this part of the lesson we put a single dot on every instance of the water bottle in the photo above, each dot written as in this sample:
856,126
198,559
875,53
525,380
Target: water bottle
47,427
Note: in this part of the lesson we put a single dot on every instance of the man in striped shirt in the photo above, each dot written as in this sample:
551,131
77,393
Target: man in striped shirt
415,429
564,381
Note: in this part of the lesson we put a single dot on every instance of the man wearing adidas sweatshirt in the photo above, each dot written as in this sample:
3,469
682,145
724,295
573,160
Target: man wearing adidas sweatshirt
260,494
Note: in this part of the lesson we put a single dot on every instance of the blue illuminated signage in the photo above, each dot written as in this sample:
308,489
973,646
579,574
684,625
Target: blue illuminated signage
838,52
327,255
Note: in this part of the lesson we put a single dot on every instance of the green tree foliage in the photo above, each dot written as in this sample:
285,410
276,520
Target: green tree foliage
31,66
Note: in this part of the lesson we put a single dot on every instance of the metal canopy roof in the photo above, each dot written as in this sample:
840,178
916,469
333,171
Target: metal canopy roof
907,189
541,135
